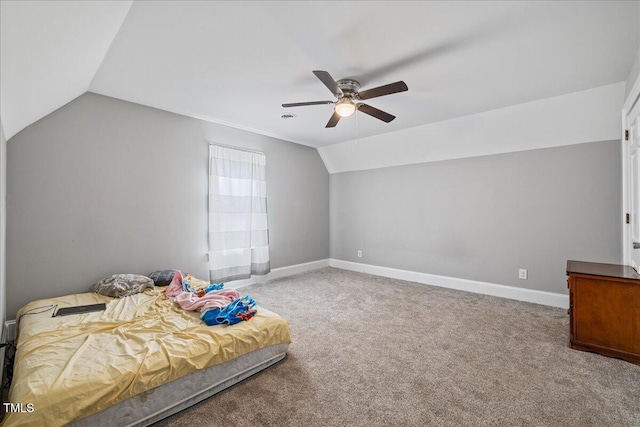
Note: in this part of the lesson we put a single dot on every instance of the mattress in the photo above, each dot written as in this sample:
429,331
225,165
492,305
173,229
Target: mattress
161,402
71,367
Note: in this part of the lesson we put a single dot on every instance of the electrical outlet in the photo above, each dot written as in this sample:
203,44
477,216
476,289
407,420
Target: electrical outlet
522,273
359,253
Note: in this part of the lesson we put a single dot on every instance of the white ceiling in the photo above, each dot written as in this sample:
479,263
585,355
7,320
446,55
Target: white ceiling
237,62
49,52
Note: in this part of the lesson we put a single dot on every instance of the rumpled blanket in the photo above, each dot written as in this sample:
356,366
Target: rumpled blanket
192,302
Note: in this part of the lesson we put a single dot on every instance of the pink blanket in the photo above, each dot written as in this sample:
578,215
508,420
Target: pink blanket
192,302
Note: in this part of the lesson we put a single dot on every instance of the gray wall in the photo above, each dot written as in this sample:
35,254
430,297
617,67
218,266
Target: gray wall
483,218
103,186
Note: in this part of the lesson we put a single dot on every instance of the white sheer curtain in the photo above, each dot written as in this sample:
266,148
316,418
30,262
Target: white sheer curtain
238,229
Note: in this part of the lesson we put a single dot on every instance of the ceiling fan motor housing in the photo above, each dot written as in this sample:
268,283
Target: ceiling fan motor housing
349,87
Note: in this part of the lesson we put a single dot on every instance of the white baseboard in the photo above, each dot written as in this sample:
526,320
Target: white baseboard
277,273
503,291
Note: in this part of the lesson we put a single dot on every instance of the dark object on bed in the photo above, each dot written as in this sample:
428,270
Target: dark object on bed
162,277
79,309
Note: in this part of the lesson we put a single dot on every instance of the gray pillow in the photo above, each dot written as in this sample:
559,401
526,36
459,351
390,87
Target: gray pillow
162,277
122,285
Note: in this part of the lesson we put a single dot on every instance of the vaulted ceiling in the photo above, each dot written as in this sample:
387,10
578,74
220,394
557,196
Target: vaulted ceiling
236,62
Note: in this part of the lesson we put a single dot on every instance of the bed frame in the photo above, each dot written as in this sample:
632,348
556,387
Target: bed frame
154,405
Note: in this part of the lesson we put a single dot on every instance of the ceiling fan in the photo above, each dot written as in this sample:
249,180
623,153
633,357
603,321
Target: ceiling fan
349,97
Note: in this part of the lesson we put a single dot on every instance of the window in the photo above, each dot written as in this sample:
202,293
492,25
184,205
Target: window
238,226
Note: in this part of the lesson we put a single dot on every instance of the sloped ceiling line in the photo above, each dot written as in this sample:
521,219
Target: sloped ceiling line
50,52
115,35
580,117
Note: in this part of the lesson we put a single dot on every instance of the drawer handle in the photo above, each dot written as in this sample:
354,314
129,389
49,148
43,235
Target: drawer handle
636,245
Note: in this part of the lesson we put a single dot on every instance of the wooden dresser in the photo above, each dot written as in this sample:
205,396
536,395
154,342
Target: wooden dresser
604,309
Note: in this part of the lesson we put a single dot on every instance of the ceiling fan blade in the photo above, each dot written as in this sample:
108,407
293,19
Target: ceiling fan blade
333,121
374,112
302,104
383,90
329,82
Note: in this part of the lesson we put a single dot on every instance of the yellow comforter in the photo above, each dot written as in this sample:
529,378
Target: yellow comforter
72,366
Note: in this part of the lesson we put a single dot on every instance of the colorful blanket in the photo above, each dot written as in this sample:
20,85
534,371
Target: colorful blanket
237,311
190,301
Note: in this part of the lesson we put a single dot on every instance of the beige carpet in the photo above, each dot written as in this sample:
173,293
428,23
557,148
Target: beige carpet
371,351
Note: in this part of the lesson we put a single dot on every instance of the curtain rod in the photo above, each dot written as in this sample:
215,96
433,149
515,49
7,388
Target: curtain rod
236,148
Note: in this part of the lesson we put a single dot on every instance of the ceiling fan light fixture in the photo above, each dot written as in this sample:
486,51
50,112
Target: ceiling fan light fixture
345,107
348,94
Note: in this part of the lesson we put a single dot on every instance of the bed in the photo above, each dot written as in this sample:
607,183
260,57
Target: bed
140,360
